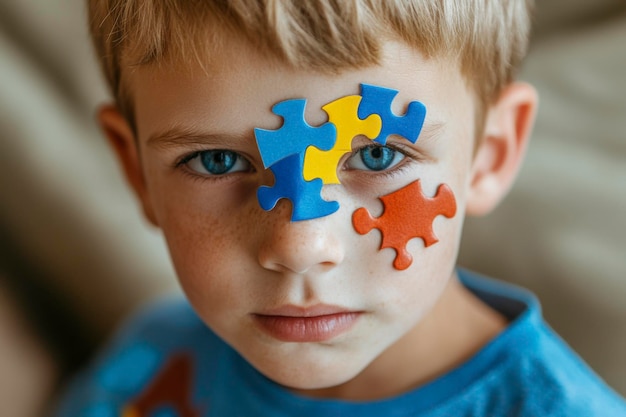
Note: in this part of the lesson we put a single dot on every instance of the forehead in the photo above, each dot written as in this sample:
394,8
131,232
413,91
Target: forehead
236,90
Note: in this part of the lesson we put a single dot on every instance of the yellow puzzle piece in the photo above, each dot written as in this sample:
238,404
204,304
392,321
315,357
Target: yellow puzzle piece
343,114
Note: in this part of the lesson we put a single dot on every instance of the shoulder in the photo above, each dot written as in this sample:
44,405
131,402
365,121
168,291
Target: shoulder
155,320
557,382
159,343
165,326
532,370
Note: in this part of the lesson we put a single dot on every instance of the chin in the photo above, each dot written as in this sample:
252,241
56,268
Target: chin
309,374
313,382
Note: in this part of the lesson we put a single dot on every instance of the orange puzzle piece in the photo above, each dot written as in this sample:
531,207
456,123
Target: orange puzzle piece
172,388
406,214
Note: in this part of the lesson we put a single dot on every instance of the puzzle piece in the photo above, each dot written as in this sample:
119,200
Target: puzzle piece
171,389
294,136
305,196
406,214
343,114
377,100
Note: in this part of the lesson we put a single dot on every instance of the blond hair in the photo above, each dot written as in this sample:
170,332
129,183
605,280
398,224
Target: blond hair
488,38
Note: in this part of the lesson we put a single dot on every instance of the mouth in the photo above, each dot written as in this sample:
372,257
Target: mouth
301,325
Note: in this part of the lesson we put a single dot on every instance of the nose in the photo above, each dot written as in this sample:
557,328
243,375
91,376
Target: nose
302,246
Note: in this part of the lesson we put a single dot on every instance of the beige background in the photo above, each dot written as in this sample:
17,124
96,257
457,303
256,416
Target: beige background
75,255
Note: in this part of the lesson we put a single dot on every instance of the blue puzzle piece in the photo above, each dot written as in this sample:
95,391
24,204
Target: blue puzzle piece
305,196
294,136
377,100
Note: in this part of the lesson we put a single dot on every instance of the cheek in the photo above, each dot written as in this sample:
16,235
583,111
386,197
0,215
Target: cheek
207,256
194,243
202,239
411,294
174,192
411,218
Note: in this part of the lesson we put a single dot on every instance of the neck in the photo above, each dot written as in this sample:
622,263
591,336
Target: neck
456,328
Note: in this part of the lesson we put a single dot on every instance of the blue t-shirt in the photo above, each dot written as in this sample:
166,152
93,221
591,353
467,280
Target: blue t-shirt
167,363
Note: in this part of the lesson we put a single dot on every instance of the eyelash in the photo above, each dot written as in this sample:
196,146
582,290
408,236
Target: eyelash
181,164
184,160
410,157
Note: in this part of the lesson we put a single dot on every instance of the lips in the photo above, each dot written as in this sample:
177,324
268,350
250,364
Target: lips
301,325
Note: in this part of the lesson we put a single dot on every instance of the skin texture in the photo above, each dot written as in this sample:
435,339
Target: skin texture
235,260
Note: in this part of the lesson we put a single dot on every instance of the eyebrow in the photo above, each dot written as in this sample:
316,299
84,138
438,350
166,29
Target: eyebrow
178,136
431,130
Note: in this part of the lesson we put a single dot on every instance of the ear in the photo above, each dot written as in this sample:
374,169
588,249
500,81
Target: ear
123,141
502,147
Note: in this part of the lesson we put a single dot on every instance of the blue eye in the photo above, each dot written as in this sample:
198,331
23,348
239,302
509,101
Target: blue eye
375,158
218,162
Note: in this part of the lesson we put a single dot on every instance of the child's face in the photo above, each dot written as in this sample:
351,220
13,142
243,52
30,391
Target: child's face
241,266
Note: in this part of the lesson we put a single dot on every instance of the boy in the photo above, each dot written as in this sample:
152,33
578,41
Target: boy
263,138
